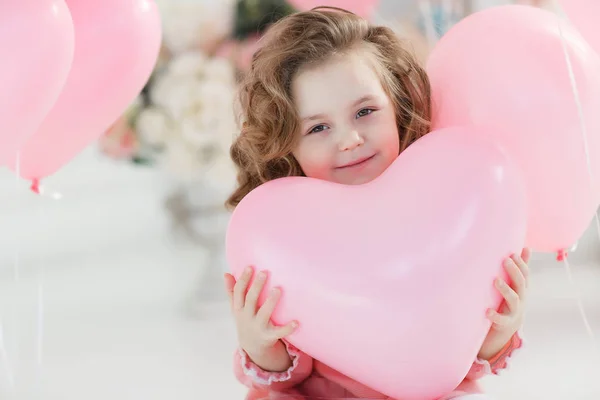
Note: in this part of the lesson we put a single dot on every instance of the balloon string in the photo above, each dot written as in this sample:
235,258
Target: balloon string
40,313
584,135
6,368
580,306
40,303
17,250
17,169
597,219
40,320
582,124
4,358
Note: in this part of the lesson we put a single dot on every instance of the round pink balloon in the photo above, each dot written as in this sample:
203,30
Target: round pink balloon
363,8
583,14
117,44
36,49
398,269
504,69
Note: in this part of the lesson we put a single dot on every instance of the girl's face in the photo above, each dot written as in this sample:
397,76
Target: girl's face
348,123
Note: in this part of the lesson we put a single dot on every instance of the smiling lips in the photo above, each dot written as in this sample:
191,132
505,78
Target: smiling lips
357,162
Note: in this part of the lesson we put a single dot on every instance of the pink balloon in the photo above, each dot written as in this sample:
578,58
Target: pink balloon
363,8
117,44
399,269
583,14
504,69
36,48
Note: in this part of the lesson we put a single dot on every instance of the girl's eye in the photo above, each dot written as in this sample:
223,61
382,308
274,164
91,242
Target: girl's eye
317,129
364,112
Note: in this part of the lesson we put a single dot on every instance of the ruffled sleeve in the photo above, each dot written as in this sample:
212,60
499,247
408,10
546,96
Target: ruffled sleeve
499,362
252,375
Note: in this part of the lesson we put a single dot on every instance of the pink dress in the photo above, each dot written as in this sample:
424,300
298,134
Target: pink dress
308,378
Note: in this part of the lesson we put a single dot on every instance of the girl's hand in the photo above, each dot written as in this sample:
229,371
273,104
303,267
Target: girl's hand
258,337
510,318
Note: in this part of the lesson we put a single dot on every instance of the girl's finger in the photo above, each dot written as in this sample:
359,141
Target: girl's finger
229,285
510,296
522,264
526,255
281,332
239,291
266,310
498,319
254,292
517,279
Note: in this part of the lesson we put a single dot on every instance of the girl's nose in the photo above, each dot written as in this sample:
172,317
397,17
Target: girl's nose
350,140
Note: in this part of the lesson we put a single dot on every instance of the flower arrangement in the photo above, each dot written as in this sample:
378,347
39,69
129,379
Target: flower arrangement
184,119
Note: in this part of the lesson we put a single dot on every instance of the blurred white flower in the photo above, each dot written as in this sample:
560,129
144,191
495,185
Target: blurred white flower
154,126
187,64
216,96
175,94
180,160
195,134
220,70
202,124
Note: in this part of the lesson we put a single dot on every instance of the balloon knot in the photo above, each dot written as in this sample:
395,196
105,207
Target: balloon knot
561,255
35,185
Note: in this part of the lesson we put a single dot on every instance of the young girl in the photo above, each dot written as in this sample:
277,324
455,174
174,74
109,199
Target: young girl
331,97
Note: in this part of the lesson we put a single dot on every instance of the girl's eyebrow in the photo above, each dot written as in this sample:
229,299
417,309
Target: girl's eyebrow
314,117
361,100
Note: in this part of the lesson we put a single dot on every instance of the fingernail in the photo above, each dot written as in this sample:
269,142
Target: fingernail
294,324
508,262
489,312
248,270
499,283
275,290
261,275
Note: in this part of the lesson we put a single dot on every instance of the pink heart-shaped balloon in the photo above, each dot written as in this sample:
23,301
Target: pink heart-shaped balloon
36,49
116,47
390,281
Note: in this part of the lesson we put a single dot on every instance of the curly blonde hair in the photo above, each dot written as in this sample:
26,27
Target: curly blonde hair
263,150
